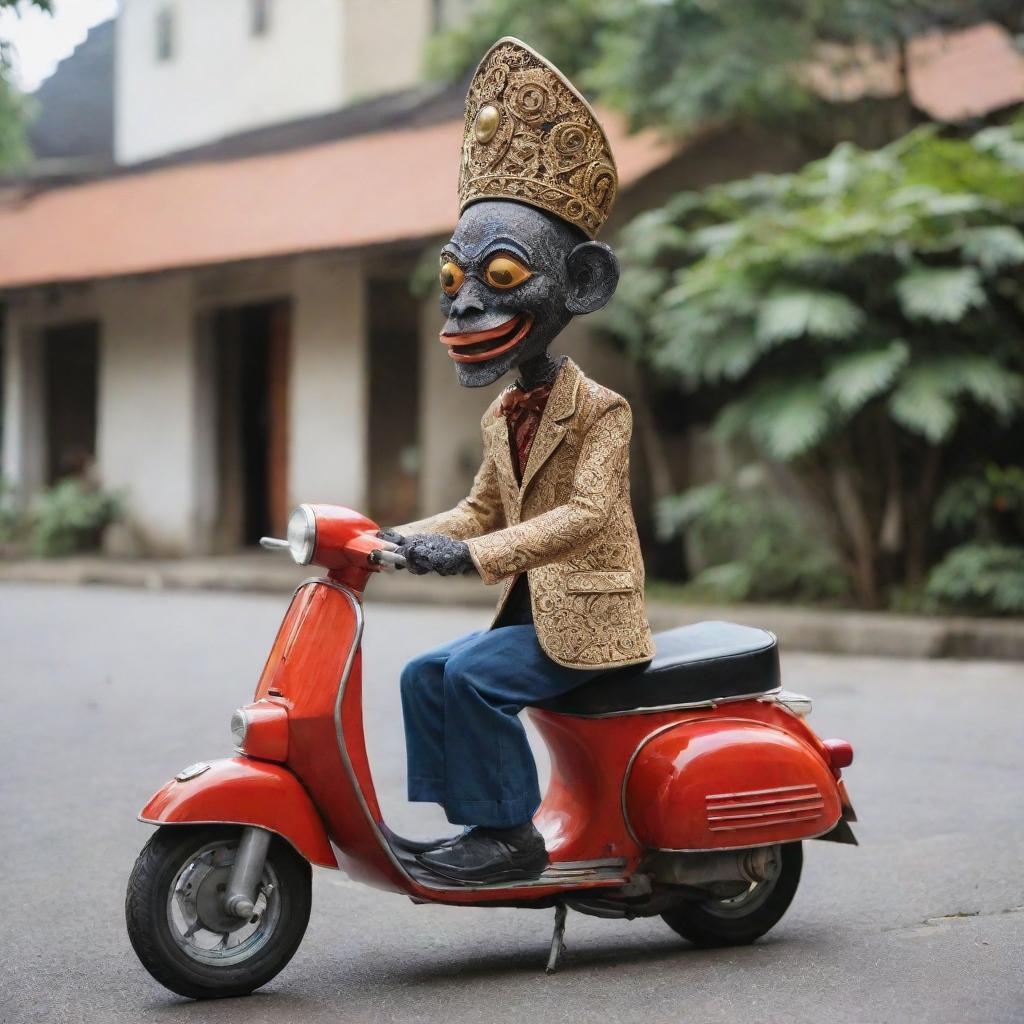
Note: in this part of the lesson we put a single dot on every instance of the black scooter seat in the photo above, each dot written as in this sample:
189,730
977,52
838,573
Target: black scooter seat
692,664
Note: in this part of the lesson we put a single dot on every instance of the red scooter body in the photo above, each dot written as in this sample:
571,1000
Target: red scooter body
743,774
746,773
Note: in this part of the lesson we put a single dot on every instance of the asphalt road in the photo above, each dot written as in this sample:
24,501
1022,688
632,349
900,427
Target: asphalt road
106,693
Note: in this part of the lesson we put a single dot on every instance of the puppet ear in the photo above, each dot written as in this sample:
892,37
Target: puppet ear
593,275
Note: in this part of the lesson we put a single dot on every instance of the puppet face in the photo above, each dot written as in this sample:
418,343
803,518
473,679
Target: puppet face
512,277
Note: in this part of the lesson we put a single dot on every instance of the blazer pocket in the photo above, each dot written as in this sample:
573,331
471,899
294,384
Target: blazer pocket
600,582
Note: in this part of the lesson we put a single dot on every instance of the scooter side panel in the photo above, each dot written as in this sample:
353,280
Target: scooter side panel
728,783
581,815
240,791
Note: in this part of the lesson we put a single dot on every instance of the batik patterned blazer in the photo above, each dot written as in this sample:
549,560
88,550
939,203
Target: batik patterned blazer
569,526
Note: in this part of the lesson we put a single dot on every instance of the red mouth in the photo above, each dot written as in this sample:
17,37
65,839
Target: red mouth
475,346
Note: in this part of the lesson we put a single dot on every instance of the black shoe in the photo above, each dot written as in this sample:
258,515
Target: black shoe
491,855
415,846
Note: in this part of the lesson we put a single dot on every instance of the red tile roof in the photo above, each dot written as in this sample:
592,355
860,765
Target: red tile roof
368,190
965,74
950,77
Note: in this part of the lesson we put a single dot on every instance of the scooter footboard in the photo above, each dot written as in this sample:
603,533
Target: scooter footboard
242,791
727,784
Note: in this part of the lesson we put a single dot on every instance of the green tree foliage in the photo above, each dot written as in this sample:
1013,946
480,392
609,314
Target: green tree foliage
852,320
677,63
13,107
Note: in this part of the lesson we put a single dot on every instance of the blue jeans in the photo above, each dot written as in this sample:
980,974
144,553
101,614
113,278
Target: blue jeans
466,747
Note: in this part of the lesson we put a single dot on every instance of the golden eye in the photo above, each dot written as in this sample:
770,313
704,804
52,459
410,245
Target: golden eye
451,277
505,272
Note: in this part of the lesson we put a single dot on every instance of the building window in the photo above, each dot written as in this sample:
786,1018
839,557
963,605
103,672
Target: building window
165,33
259,17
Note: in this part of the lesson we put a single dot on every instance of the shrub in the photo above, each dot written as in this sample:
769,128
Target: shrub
11,519
982,577
752,542
986,573
71,517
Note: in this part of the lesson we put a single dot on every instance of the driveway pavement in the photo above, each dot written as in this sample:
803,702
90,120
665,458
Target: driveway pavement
107,692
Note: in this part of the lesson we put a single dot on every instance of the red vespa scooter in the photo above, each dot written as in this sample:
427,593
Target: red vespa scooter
683,788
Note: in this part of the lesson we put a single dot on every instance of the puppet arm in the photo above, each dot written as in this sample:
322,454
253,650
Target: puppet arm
549,537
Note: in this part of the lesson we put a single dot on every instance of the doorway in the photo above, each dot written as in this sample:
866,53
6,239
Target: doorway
394,408
70,374
251,350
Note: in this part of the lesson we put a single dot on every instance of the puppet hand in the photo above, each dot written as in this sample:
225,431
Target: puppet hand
430,552
391,536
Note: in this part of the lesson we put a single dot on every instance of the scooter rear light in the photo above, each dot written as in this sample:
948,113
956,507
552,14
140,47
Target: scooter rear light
840,754
266,731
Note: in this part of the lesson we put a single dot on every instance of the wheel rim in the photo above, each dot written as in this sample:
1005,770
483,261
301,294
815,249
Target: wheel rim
201,927
751,898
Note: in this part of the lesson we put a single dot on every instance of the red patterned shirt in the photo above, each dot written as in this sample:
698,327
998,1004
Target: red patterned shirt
522,411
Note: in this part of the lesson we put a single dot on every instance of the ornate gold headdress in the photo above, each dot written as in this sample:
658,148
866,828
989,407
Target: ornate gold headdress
531,137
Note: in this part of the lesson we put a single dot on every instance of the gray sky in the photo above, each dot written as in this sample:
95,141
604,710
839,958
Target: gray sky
41,40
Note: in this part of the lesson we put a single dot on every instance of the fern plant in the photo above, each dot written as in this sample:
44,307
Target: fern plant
853,320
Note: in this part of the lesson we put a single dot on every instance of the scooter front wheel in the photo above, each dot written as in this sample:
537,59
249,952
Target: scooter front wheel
741,919
180,930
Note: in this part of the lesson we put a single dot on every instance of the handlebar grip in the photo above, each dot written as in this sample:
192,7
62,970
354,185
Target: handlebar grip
380,556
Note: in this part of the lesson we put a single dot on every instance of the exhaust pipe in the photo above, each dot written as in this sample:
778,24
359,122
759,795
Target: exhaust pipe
701,870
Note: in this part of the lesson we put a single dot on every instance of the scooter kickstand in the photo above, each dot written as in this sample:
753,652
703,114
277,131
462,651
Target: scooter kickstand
557,939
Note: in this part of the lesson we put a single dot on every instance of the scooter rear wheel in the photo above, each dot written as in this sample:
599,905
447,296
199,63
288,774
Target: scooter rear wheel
178,926
742,919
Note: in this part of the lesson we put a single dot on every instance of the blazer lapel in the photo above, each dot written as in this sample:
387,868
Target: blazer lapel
502,455
553,422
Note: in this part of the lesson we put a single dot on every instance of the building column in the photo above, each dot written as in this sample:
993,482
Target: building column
450,445
149,439
327,457
23,459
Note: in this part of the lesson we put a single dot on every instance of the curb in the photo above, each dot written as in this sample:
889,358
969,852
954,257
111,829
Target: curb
865,634
878,634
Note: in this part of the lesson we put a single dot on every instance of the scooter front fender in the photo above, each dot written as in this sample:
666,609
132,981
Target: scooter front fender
242,791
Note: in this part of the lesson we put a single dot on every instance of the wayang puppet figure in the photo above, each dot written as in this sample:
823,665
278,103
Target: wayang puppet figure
549,513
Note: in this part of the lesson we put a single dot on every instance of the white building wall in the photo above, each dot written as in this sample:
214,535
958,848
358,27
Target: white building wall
220,78
327,457
316,55
384,43
148,436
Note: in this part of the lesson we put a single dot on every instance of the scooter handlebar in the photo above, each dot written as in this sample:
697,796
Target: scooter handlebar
365,545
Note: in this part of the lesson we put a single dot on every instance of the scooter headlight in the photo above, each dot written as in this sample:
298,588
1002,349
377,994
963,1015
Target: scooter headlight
239,727
260,730
302,535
